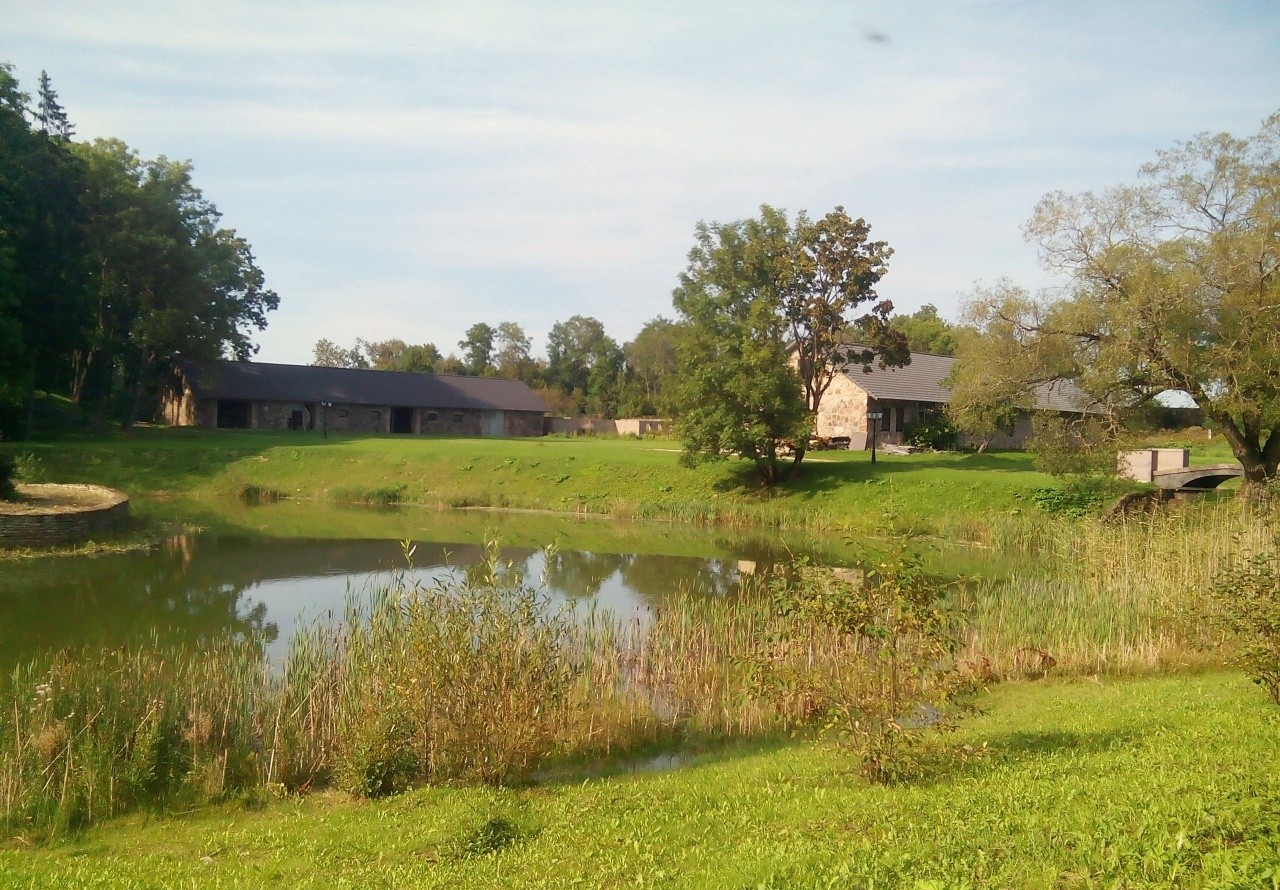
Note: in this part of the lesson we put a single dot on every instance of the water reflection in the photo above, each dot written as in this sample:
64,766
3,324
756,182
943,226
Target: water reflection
193,588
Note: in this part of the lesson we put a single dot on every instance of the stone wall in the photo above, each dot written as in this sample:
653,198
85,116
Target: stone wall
64,525
843,411
524,423
345,418
351,418
1142,465
604,426
178,404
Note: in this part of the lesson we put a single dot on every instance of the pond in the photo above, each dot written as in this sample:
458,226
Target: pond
236,577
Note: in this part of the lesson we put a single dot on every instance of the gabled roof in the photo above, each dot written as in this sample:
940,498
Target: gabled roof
266,382
922,381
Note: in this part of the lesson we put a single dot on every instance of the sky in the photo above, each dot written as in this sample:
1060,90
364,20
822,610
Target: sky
408,169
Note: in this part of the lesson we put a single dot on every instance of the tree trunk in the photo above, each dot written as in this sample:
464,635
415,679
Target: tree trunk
139,391
1259,462
795,463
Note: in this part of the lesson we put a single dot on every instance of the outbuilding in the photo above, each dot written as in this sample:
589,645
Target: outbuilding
265,396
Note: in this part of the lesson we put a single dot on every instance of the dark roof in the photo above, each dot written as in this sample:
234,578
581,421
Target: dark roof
921,381
265,382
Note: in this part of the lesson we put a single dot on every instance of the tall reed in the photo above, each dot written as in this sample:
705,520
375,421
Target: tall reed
474,677
1119,597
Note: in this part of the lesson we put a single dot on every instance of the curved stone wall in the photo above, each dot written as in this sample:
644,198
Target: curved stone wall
102,510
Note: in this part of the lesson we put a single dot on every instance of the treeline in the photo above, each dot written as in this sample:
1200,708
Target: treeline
585,371
110,265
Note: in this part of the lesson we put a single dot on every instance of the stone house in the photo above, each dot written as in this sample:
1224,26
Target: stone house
905,395
264,396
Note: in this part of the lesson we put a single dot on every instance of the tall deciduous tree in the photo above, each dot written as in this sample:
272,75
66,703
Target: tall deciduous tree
169,280
738,393
650,367
514,358
421,358
327,354
379,355
477,348
997,366
829,268
575,350
926,331
1173,284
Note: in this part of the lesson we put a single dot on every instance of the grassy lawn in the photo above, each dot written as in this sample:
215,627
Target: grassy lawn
620,477
1165,778
1140,783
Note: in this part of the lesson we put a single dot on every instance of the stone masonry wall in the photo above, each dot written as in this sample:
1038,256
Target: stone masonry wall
343,418
64,525
524,423
843,411
352,419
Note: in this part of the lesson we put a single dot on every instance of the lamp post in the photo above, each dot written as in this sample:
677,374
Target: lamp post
324,418
873,417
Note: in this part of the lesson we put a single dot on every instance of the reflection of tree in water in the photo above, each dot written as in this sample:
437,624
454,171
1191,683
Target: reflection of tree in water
198,588
75,602
576,573
655,578
511,565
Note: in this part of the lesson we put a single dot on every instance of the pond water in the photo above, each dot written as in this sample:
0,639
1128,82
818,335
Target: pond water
193,586
229,568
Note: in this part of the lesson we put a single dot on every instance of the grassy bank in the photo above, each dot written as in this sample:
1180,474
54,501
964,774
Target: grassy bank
1152,783
621,477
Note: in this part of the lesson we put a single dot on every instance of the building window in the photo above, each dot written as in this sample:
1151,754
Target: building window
343,412
457,418
432,417
375,415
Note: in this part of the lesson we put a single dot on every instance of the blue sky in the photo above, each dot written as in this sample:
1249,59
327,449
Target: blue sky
409,169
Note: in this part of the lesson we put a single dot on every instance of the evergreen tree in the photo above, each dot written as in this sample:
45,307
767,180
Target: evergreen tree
50,114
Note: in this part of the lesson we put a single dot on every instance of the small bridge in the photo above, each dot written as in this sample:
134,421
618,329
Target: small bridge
1168,468
1193,479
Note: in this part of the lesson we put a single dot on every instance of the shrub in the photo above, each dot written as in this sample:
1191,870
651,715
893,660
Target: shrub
1078,496
1073,446
380,496
904,637
260,494
933,431
1249,597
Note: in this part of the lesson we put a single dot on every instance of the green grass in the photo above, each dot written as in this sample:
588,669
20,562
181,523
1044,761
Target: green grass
619,477
1153,783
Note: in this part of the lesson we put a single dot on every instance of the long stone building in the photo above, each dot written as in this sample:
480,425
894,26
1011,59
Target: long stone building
263,396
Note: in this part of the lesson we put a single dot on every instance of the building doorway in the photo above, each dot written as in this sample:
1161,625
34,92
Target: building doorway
234,414
494,423
402,420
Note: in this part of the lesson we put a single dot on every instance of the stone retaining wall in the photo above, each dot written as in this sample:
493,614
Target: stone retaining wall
64,525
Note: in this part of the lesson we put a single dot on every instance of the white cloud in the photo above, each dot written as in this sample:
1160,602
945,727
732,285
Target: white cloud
462,161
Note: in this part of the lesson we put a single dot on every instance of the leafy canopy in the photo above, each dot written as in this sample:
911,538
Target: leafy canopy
737,393
1171,284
